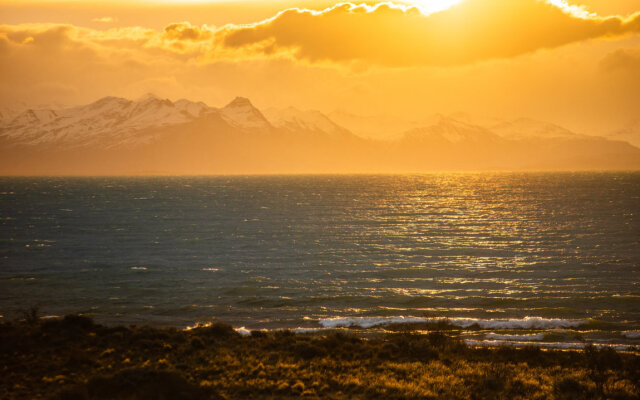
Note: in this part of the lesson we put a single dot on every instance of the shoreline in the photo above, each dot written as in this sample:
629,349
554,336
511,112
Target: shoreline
546,333
74,358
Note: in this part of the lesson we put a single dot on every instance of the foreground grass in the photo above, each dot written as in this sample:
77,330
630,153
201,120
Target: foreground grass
73,358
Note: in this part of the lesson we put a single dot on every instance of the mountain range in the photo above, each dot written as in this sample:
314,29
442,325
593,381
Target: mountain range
152,135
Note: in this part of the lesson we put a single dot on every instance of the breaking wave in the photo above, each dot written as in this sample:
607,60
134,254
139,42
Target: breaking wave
523,323
546,345
631,334
497,336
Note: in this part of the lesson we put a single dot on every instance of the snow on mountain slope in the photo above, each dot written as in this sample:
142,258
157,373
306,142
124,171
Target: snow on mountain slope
112,119
195,109
242,114
452,131
30,117
10,109
114,122
294,120
517,129
388,127
525,128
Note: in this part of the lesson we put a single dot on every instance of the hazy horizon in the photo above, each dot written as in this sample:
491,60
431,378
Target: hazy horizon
572,63
204,199
410,86
156,136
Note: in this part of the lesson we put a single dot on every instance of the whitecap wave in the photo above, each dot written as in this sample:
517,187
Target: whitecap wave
631,334
523,323
368,322
243,331
309,330
198,325
497,336
546,345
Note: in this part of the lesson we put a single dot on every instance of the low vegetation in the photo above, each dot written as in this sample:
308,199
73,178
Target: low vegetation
74,358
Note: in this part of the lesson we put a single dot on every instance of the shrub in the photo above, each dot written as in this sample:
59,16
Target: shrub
78,321
31,315
137,383
196,343
572,388
308,351
437,339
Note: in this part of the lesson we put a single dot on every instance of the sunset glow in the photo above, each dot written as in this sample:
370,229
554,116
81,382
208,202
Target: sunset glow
431,6
319,199
378,70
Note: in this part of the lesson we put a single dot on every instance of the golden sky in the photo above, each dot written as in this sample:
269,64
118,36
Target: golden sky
575,64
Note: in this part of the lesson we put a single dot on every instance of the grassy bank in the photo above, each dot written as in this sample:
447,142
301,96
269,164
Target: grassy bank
74,358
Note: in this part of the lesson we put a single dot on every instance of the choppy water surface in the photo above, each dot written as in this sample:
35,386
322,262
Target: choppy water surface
327,251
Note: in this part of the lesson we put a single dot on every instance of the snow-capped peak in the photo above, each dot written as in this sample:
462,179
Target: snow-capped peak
111,119
452,130
295,120
242,114
239,102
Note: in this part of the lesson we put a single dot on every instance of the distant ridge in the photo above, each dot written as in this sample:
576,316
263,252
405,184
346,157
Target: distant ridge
114,135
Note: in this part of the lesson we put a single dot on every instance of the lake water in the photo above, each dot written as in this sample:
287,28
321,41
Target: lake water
550,258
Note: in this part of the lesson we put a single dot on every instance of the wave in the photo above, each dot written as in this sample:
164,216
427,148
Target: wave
548,345
243,331
631,334
491,339
523,323
247,332
497,336
309,330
